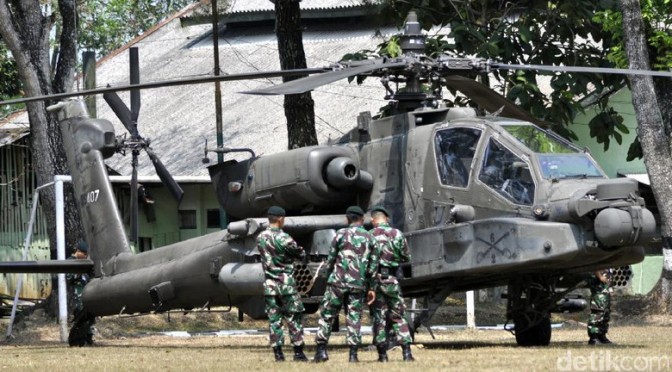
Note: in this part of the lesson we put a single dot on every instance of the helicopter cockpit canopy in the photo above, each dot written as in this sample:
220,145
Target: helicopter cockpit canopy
557,158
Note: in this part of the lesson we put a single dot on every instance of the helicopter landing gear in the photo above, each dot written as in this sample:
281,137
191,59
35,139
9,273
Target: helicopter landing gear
431,303
530,300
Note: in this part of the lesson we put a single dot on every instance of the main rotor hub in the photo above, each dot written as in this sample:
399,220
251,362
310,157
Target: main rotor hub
412,40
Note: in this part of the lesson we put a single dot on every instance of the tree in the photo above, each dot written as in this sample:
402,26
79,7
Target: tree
105,25
528,32
654,115
10,86
25,26
299,108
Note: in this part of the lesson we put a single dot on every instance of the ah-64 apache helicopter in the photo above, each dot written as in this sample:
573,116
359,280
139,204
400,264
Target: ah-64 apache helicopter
483,200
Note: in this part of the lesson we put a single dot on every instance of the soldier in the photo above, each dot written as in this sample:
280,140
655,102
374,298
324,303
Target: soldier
389,303
78,281
278,250
600,303
351,271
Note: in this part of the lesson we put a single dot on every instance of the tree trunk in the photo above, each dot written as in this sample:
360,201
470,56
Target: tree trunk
26,30
652,136
299,108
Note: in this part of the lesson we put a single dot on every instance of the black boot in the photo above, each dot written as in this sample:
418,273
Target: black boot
299,356
382,352
353,354
604,340
279,356
406,352
321,353
598,340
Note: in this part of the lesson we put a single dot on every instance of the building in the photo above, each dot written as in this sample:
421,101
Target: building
179,120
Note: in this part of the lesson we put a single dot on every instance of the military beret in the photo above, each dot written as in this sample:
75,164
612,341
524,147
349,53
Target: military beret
380,208
276,211
82,246
355,210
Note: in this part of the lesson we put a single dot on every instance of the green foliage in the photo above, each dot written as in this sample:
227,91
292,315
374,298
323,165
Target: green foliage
10,84
527,32
105,25
604,123
657,17
635,150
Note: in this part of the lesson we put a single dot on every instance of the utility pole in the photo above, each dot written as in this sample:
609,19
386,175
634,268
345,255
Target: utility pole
218,92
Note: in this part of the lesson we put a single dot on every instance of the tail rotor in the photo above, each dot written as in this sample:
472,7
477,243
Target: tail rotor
136,143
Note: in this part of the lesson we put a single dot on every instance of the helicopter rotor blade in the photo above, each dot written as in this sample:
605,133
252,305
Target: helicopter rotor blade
121,110
597,70
165,176
134,199
490,100
311,82
135,80
171,83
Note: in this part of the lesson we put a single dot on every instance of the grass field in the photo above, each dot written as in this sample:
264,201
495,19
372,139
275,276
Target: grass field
123,344
637,348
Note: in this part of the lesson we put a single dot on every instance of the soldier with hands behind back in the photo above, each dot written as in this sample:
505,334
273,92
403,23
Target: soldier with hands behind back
351,272
278,251
389,304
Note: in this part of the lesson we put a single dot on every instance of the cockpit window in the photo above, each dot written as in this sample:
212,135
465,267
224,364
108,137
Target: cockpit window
507,174
568,166
455,150
557,158
538,140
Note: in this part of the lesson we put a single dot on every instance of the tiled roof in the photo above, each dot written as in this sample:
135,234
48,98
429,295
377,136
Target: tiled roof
178,120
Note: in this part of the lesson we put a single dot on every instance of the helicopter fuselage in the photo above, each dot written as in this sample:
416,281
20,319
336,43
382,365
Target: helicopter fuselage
483,201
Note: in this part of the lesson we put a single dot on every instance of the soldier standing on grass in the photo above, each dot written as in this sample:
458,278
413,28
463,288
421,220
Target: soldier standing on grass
389,303
351,269
278,251
78,281
600,303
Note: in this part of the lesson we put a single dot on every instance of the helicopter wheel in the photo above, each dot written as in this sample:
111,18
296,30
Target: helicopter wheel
536,335
529,304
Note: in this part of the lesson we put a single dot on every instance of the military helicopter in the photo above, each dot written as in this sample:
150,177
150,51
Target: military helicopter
483,200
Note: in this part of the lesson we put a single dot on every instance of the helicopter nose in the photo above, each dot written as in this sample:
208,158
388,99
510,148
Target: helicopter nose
618,227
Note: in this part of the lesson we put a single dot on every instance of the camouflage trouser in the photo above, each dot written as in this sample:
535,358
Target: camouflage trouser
600,302
334,297
389,307
289,308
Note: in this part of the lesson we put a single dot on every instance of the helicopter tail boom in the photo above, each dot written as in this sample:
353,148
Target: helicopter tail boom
87,142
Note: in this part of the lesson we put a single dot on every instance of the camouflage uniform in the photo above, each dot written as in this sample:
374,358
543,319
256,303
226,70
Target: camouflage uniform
351,271
77,283
277,251
600,302
389,304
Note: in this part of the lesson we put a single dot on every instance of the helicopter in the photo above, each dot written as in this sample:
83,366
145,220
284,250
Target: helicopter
484,201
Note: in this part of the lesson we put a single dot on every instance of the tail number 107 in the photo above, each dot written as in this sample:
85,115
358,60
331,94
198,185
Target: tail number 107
90,197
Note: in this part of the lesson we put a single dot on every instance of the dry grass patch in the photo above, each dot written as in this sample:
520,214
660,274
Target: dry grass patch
452,350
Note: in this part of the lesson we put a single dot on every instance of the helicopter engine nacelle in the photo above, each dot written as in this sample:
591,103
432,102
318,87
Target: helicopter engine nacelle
314,178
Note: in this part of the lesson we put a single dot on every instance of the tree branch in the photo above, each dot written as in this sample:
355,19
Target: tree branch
67,58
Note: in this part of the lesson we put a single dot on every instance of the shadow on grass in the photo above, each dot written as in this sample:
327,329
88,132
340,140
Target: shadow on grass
465,345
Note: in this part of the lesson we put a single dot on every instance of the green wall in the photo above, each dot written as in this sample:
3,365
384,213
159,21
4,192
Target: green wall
166,228
613,160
